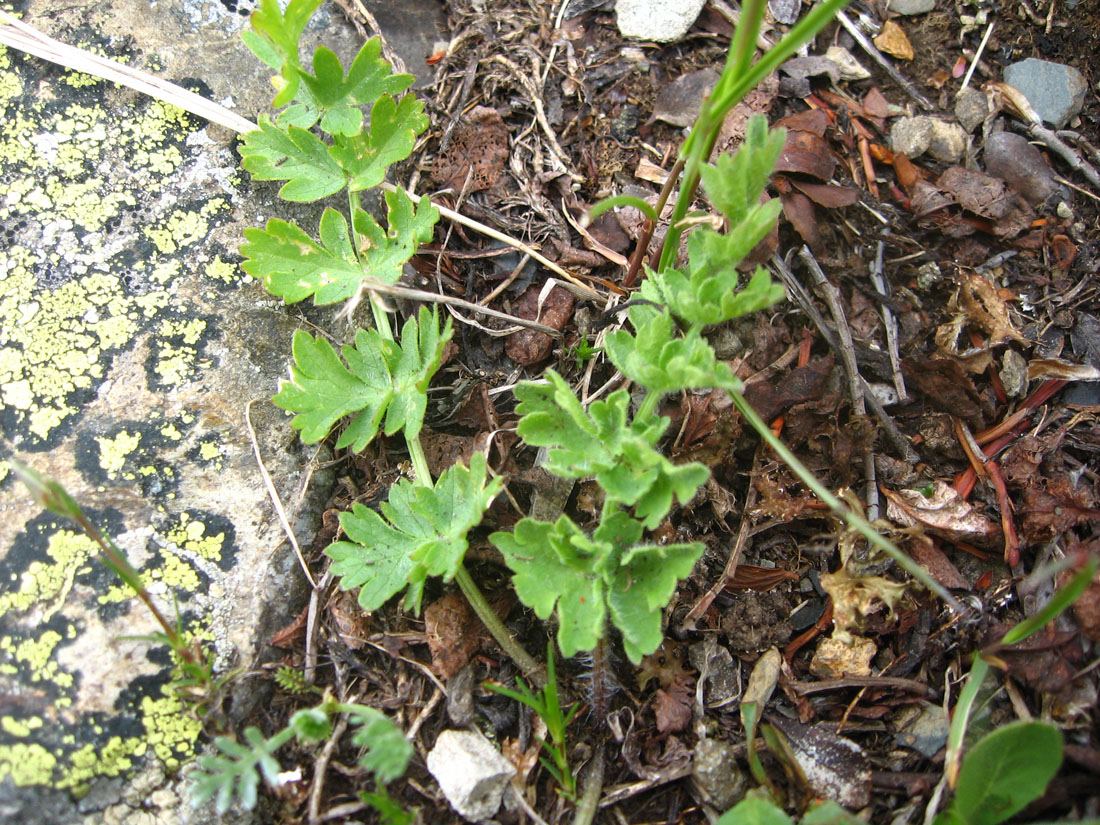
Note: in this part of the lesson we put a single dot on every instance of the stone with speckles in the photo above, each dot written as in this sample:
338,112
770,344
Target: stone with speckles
130,344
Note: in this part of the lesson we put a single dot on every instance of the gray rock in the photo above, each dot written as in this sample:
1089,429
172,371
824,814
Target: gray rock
130,344
718,776
971,108
850,68
1056,92
911,136
471,773
1014,373
662,21
1014,160
948,141
909,7
924,730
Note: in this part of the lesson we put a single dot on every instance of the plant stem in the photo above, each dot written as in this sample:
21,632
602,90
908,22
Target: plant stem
495,626
593,786
853,519
419,460
648,406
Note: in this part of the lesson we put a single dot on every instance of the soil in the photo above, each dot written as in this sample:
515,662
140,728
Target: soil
535,119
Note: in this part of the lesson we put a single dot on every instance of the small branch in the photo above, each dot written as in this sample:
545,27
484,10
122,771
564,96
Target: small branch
593,786
887,66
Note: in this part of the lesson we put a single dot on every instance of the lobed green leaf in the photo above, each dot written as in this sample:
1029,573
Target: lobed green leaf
735,184
421,532
387,750
294,155
392,135
381,378
653,357
601,442
385,252
557,567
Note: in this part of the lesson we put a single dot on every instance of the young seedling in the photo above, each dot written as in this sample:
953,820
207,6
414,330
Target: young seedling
235,772
547,705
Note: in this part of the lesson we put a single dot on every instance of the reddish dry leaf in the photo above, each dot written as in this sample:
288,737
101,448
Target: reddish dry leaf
1050,510
752,577
810,120
827,195
758,101
351,622
289,635
802,384
1064,251
672,707
529,346
806,153
947,387
452,633
1087,607
935,561
875,104
799,210
944,513
988,197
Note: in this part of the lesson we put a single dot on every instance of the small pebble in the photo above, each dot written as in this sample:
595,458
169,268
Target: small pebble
909,7
1014,374
1056,92
911,136
971,108
661,21
948,141
928,275
1014,160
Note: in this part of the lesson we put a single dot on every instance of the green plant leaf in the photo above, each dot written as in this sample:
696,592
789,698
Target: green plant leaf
387,750
275,38
421,532
600,442
381,378
293,155
734,184
393,129
385,252
1004,771
556,567
644,584
829,813
335,98
711,294
753,810
293,266
660,362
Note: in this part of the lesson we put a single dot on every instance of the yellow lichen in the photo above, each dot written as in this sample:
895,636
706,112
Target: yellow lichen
49,584
27,764
113,452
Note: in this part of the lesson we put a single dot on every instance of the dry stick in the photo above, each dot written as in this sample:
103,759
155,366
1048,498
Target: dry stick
795,289
398,291
851,368
575,286
20,36
273,494
890,323
320,765
355,11
651,226
879,58
313,626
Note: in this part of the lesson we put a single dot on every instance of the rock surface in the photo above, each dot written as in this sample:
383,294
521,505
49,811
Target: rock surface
662,21
130,346
1014,160
1056,92
471,773
909,7
913,136
971,108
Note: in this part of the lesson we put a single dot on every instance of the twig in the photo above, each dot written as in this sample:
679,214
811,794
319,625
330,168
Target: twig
593,785
320,764
313,627
26,38
879,58
890,323
575,286
851,368
398,291
977,56
273,494
357,13
895,436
